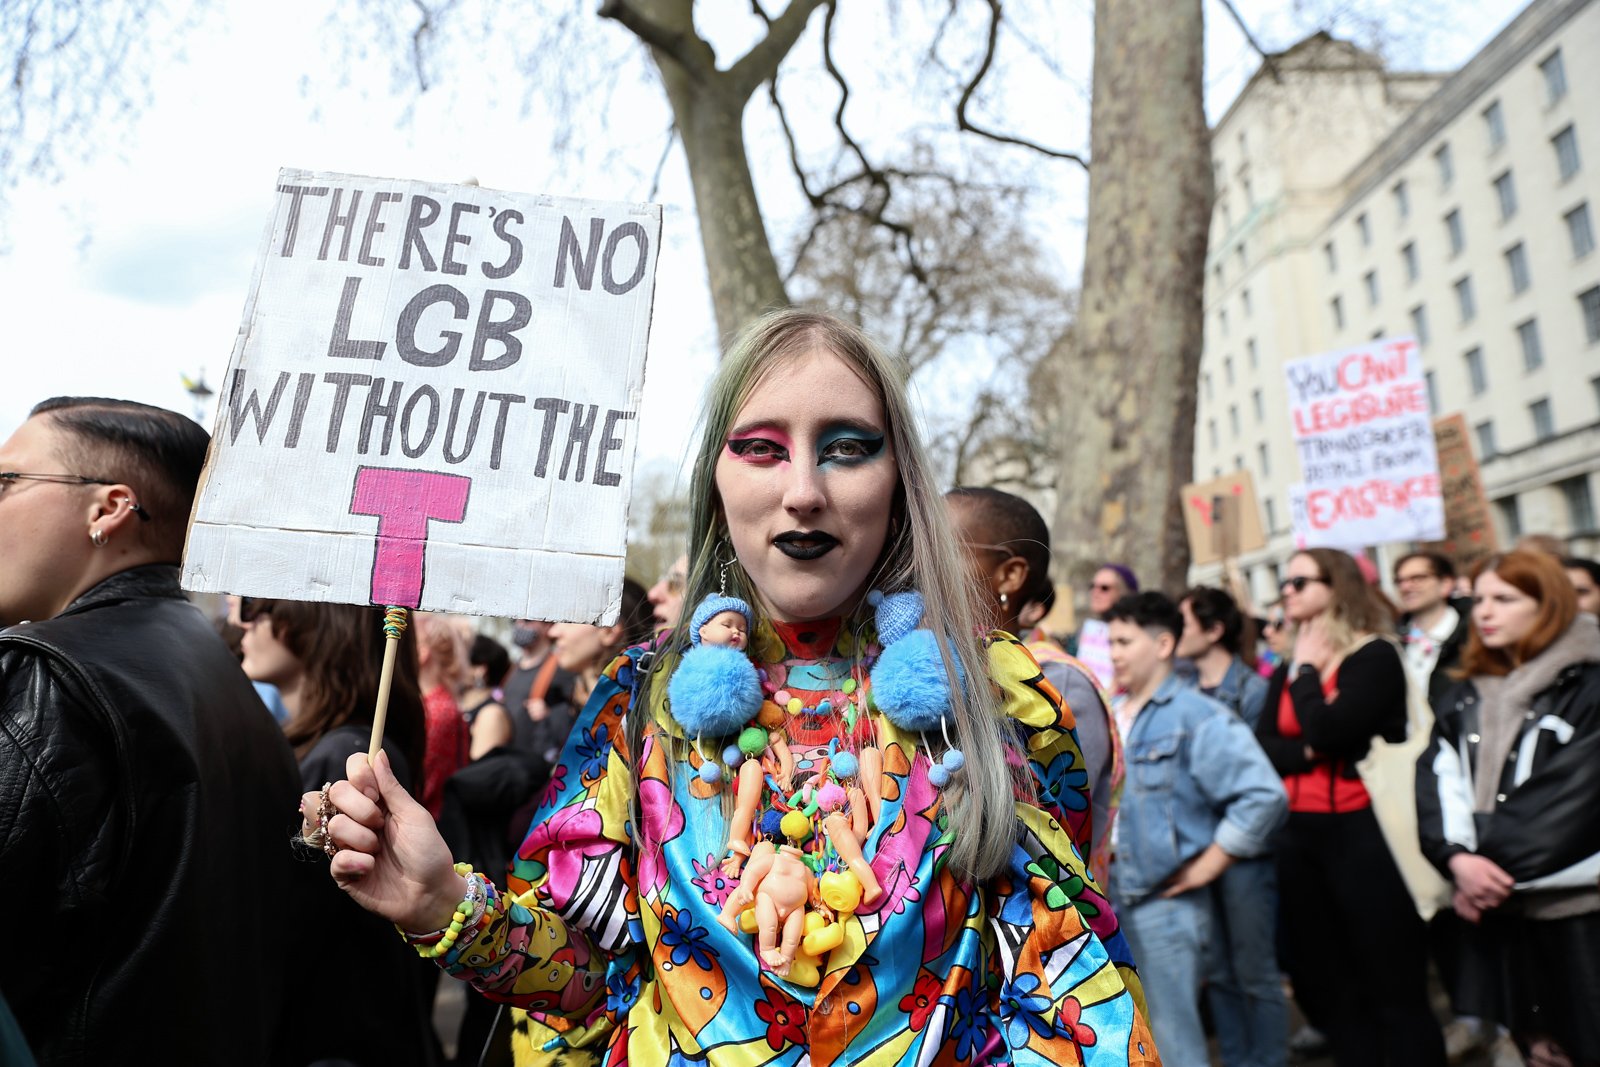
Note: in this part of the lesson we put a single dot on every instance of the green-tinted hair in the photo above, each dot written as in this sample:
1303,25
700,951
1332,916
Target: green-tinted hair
921,552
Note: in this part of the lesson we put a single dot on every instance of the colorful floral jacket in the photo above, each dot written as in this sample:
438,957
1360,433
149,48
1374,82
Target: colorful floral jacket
615,934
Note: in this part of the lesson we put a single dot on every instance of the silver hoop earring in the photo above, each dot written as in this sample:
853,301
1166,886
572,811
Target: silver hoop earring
98,536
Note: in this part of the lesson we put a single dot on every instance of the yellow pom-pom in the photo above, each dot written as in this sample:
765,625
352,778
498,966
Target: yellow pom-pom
795,826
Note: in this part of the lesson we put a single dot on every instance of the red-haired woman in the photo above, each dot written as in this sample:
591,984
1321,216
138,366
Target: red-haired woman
1508,799
1356,947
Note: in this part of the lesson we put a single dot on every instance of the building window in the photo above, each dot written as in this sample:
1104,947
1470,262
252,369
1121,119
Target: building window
1370,280
1505,190
1264,460
1485,433
1249,193
1580,231
1337,306
1544,423
1465,302
1379,333
1494,124
1433,391
1211,432
1364,228
1477,375
1272,516
1511,515
1458,239
1419,323
1517,266
1580,504
1259,403
1222,321
1205,384
1408,255
1255,356
1555,77
1331,257
1227,369
1227,215
1216,276
1566,145
1447,165
1589,301
1233,424
1532,352
1238,463
1402,202
1238,251
1244,298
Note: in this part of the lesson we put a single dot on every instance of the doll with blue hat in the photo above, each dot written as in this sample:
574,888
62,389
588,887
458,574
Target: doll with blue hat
715,691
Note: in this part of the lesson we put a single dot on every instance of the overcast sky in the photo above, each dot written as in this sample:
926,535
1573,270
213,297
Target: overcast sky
134,268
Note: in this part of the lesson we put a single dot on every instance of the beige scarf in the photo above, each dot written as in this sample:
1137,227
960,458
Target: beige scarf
1504,703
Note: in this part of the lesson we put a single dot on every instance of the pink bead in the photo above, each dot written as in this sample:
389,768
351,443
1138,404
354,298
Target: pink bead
781,697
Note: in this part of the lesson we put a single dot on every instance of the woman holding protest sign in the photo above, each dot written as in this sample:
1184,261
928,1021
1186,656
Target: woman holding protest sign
1355,944
830,727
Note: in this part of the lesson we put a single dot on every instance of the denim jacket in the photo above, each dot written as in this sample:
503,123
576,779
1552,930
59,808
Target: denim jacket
1195,775
1243,690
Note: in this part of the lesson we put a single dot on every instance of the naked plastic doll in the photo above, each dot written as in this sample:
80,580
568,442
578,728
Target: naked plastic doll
779,883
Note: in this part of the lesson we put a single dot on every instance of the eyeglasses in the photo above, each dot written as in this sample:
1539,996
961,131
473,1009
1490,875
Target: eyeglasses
979,545
1102,587
251,608
1298,583
7,478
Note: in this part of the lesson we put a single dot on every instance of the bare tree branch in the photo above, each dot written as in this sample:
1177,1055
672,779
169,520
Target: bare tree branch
963,123
1266,58
661,164
761,62
687,49
424,28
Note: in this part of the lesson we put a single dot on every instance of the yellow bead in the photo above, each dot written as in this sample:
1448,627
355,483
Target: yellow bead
848,687
795,705
795,826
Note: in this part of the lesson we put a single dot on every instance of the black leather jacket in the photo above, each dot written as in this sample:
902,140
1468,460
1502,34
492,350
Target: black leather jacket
146,801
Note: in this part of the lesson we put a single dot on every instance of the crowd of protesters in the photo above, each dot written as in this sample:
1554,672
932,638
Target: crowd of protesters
1240,821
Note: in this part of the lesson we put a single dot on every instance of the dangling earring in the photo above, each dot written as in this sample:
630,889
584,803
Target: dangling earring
722,568
1004,600
98,536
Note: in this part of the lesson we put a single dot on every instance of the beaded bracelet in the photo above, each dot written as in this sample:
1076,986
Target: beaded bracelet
438,942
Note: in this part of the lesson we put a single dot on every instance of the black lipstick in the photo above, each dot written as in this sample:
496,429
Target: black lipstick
805,544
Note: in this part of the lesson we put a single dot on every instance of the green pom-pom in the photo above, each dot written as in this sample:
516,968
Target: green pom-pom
753,741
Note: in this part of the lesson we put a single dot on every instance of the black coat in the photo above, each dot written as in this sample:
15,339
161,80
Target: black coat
1443,679
146,803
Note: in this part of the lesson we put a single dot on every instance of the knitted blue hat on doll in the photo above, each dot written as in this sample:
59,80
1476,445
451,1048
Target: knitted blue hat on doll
715,690
909,683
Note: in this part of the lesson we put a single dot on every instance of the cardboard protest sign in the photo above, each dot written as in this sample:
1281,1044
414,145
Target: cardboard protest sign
1222,518
431,402
1362,431
1094,650
1469,530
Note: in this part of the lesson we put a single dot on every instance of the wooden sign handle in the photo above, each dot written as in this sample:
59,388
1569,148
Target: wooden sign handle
394,624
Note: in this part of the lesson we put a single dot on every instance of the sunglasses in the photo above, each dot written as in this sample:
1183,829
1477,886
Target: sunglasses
1298,583
1272,624
251,608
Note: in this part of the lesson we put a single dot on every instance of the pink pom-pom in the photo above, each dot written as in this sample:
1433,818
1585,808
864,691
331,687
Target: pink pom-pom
831,797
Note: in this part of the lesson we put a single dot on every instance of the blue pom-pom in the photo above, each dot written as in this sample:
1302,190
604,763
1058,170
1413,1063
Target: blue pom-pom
874,598
938,777
953,760
732,756
908,683
710,773
714,691
771,823
844,764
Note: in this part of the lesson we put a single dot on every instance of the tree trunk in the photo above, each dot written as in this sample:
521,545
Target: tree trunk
739,262
1129,394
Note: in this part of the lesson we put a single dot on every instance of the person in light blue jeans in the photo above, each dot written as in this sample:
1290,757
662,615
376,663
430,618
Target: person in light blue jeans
1199,796
1244,985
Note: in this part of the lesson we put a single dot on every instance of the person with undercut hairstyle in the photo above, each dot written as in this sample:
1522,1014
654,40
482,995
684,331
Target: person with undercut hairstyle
143,785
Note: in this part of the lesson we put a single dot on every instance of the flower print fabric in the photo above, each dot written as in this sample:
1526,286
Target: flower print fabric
615,933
